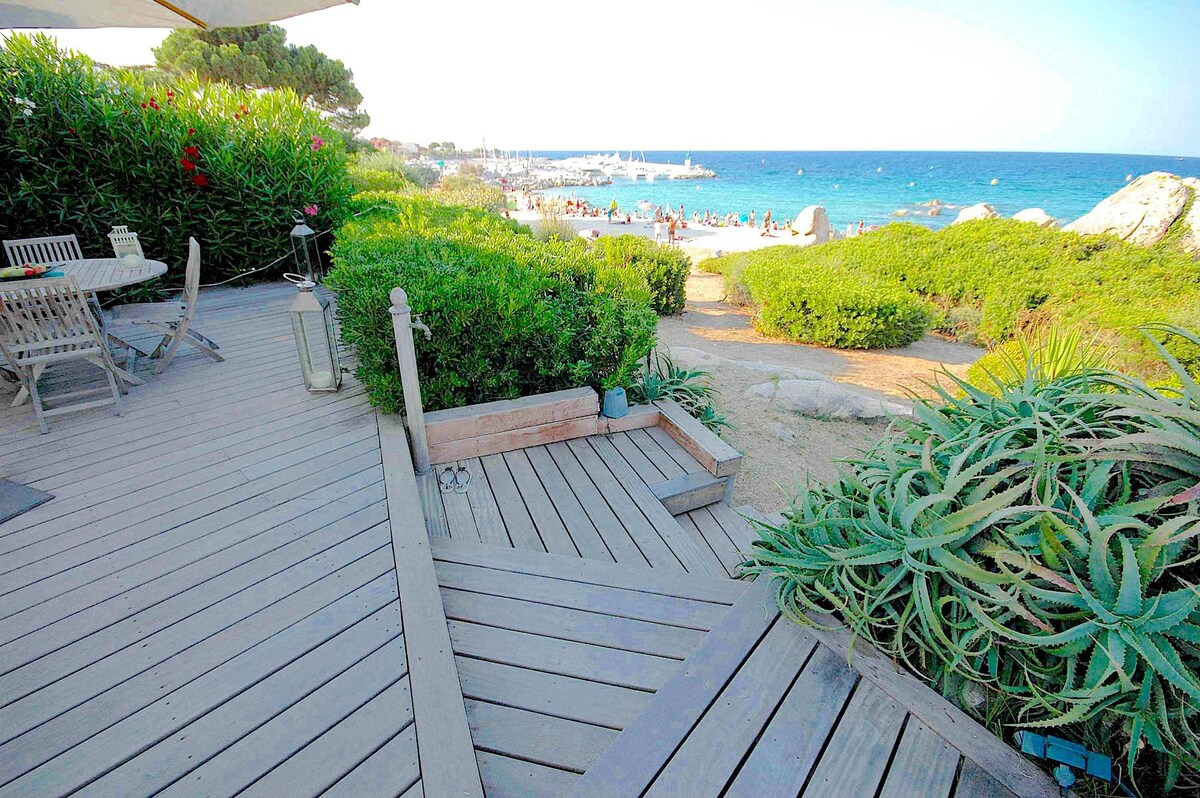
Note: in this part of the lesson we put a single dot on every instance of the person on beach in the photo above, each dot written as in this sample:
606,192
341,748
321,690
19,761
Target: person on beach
860,227
612,208
752,218
766,231
658,231
671,226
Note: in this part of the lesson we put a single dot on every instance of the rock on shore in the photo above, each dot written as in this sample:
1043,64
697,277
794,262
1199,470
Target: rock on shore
1036,216
1141,212
811,226
980,210
1191,231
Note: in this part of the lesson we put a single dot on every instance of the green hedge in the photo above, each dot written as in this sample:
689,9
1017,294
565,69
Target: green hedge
510,315
992,277
665,269
836,309
96,147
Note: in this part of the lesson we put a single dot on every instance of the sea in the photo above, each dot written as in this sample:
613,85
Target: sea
873,186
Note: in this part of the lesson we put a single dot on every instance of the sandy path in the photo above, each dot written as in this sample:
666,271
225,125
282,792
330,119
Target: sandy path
781,447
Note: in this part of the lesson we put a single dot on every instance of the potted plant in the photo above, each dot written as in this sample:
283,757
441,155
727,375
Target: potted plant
616,403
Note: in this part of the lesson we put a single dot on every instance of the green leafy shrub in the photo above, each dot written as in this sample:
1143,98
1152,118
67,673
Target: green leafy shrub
994,277
510,315
380,180
661,378
470,191
1040,354
1042,544
420,174
665,269
835,309
100,147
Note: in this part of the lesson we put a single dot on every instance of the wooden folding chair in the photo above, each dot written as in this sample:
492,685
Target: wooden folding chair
44,251
172,319
48,322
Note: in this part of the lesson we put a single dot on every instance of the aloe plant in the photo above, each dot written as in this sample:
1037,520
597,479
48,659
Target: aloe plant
1043,543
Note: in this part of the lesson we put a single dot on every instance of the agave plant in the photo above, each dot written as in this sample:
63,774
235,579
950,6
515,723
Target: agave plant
1043,543
661,378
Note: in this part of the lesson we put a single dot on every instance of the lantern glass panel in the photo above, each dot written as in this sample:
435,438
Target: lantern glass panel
316,342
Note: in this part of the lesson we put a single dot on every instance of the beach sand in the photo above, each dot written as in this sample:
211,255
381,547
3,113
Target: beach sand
699,242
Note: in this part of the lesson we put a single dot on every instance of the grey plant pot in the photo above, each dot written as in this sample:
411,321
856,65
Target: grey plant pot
615,403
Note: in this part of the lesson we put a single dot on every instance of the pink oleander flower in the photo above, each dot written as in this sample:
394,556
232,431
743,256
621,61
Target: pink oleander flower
317,142
311,210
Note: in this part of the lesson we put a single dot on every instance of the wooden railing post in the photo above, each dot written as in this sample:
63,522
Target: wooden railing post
406,354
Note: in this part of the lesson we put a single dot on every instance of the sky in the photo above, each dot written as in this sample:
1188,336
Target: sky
1014,75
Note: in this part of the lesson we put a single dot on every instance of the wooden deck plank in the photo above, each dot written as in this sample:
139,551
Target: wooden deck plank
923,767
314,768
578,595
655,453
677,453
583,700
974,782
483,506
647,580
274,742
740,533
647,744
444,739
580,626
564,657
688,552
504,777
392,769
705,761
616,538
786,753
681,494
436,524
579,525
518,520
857,755
718,542
637,459
549,526
541,739
715,455
180,745
73,747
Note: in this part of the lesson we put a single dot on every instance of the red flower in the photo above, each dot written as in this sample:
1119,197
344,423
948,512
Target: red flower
188,165
191,131
243,109
191,152
143,105
236,117
71,129
200,180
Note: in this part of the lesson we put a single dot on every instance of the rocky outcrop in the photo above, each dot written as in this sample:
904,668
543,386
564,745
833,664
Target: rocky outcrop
827,399
1036,216
811,226
900,213
979,210
1140,213
1191,230
935,210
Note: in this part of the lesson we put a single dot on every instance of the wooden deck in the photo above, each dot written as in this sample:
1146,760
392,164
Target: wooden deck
242,588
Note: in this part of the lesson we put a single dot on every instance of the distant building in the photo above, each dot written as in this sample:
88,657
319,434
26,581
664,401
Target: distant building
395,147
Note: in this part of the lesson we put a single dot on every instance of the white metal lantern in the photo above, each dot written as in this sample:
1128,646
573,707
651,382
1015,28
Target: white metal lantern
316,337
304,249
126,247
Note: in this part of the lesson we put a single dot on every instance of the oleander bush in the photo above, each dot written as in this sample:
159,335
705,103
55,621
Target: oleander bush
665,269
993,277
83,148
510,315
1035,554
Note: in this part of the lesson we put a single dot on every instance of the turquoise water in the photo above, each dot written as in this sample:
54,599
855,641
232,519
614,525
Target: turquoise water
872,185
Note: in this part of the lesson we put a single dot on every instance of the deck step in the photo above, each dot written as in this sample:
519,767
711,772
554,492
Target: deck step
687,492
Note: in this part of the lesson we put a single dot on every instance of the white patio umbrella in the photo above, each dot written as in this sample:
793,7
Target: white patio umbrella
152,13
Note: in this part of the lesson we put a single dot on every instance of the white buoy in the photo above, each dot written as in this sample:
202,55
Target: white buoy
878,168
1128,178
995,181
799,172
835,186
911,183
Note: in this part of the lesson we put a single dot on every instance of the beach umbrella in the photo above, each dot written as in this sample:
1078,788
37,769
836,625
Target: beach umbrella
152,13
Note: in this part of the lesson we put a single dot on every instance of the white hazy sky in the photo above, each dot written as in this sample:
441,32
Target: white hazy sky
1071,75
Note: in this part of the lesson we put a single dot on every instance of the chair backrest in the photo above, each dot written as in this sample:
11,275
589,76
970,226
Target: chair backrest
46,250
191,277
42,316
